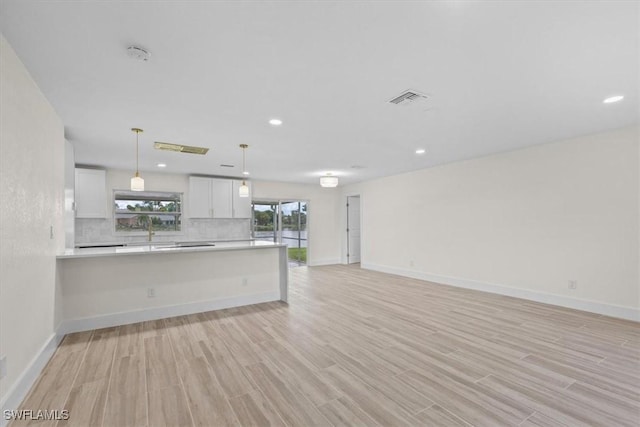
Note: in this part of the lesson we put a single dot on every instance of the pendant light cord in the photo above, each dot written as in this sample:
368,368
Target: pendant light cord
244,163
137,131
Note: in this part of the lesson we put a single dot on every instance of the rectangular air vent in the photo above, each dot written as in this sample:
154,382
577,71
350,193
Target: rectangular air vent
180,148
408,97
227,166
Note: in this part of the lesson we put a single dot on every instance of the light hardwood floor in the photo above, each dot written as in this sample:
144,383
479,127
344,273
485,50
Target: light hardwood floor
353,347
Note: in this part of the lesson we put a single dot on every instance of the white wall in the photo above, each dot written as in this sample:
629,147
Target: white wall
522,223
103,230
323,215
31,188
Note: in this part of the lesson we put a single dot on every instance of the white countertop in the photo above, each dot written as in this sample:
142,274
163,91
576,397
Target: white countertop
163,248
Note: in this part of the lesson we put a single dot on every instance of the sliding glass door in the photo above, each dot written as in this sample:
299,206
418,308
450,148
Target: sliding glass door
294,230
283,221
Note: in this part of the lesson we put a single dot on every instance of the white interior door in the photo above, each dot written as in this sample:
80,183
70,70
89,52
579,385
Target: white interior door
353,229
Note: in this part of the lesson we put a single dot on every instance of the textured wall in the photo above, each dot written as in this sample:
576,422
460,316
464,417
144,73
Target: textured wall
31,189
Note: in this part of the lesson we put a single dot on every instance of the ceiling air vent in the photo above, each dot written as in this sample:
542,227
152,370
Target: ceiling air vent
408,97
180,148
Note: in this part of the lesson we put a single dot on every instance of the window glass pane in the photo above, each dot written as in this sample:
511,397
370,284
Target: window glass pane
137,211
303,218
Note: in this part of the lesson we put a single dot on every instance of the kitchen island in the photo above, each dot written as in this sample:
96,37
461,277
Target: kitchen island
102,287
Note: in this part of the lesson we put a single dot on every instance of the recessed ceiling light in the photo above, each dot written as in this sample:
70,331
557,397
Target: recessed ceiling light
245,173
613,99
421,151
275,122
162,165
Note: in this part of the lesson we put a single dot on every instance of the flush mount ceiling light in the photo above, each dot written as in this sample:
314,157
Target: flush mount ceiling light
138,53
613,99
243,190
137,183
162,165
421,151
329,181
275,122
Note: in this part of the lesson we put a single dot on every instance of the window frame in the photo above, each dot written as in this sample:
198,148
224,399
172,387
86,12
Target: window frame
120,195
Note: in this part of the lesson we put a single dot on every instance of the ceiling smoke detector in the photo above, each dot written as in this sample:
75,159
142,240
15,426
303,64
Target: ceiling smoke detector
409,97
138,53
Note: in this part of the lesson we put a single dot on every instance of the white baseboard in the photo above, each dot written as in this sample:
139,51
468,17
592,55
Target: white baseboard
326,261
27,379
621,312
128,317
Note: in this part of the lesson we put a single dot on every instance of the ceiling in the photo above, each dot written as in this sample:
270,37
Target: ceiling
499,75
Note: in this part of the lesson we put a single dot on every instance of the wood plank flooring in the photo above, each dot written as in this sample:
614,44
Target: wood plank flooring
357,348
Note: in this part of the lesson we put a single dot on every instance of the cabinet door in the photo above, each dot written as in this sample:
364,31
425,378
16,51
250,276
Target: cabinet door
200,197
91,193
221,201
241,205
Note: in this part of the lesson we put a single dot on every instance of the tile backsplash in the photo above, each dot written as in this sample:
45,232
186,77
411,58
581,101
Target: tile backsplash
102,231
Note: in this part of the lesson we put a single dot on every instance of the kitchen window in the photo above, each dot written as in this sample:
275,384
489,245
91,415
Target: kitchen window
136,211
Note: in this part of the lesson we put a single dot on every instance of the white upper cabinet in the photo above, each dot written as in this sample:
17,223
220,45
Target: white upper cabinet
91,193
217,198
241,205
199,197
221,200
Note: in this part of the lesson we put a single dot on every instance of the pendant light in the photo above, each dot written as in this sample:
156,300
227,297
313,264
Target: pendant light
137,183
243,190
329,181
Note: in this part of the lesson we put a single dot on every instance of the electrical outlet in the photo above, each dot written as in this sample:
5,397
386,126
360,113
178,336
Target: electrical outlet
51,232
245,281
573,284
411,263
3,367
151,293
